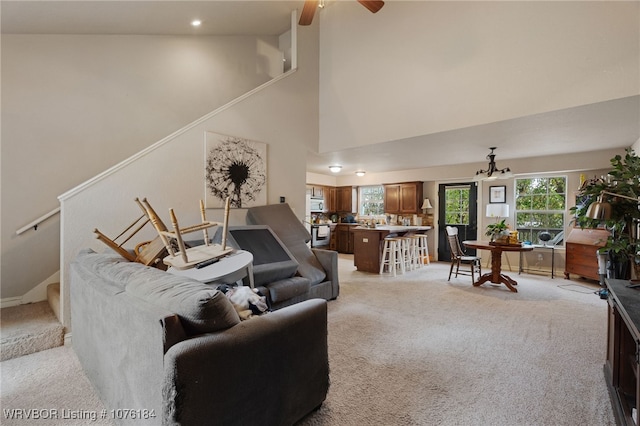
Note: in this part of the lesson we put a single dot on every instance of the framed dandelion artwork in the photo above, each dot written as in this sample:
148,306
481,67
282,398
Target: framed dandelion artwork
235,168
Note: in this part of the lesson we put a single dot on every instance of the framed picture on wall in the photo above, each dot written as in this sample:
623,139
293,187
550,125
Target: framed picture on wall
497,194
236,168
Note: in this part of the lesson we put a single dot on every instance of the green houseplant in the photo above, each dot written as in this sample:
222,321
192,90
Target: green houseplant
623,179
495,230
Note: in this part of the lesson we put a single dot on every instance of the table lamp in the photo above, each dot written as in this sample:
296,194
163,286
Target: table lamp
426,205
497,210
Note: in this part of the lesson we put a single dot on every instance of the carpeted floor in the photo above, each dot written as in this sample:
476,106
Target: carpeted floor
20,337
416,350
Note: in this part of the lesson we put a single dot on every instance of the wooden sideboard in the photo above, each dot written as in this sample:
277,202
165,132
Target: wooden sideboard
581,256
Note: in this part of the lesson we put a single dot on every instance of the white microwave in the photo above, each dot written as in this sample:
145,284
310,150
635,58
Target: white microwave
317,205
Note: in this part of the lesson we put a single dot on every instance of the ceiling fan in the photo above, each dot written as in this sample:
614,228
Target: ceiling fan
310,6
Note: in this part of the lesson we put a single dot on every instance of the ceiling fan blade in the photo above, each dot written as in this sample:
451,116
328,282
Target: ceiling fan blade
308,10
372,5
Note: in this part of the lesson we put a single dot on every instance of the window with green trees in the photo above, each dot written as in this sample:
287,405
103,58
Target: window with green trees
457,205
540,206
371,200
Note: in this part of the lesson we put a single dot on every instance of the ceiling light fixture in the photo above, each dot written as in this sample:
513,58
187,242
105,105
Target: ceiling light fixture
492,171
196,23
335,169
360,173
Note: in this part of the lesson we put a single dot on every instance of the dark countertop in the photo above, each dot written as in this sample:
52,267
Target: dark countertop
627,299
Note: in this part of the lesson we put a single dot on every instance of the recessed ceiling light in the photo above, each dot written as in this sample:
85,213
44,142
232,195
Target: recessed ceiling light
335,169
196,23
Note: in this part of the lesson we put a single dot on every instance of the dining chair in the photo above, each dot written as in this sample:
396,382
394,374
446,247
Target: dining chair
458,256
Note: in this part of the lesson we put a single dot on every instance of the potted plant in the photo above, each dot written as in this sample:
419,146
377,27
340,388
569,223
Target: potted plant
498,231
620,190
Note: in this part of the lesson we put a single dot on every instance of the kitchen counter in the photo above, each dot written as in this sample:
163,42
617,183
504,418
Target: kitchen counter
394,229
368,244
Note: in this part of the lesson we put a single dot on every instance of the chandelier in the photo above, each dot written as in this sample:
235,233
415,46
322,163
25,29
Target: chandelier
492,172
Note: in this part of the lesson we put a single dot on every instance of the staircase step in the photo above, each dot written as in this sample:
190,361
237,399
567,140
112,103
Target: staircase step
53,296
28,328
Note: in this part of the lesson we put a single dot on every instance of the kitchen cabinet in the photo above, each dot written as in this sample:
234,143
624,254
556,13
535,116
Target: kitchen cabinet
581,252
333,242
344,199
344,238
316,191
403,198
330,199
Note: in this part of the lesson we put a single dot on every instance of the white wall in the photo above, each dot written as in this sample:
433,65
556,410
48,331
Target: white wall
283,115
73,106
420,67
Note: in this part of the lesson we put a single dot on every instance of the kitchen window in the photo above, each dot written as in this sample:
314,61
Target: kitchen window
371,200
540,206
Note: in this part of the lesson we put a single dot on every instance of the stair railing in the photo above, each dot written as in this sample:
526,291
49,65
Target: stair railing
34,224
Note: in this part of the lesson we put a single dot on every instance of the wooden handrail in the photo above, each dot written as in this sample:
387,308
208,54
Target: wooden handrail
38,221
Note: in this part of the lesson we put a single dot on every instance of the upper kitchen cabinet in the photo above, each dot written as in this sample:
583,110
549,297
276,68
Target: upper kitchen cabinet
403,198
330,198
316,191
344,199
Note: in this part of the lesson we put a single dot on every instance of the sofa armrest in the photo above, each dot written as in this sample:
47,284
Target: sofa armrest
271,369
117,336
329,261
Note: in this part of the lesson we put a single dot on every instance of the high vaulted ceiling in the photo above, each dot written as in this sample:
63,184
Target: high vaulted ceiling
609,124
147,17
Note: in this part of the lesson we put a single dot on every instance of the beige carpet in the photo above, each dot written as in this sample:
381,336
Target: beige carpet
20,337
417,350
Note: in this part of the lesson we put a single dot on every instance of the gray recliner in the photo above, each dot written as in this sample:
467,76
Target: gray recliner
274,267
319,266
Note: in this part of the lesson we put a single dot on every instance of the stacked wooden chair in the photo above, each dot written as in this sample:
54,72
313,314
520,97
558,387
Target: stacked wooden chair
169,248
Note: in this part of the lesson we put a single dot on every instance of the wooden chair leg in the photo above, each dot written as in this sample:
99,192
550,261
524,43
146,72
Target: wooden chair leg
109,242
176,229
203,215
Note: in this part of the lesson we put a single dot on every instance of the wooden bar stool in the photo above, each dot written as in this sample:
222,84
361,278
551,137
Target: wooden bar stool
392,255
421,250
408,252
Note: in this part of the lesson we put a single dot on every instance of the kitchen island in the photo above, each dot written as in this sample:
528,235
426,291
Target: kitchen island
369,242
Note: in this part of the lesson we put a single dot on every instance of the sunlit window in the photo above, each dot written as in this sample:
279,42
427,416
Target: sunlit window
371,200
540,207
457,205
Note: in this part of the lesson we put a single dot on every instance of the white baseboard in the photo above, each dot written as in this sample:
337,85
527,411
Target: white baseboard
10,301
36,294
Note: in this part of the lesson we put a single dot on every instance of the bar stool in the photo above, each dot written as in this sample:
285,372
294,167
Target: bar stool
410,252
392,255
407,252
421,250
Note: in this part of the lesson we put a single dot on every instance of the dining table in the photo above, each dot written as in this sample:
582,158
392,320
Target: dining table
496,276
